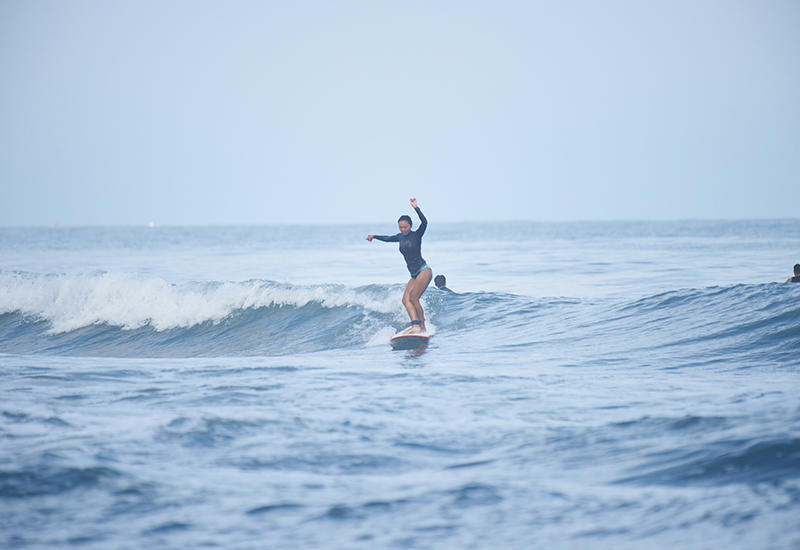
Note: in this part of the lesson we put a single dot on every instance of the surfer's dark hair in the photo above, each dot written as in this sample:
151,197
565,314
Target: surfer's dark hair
797,269
405,218
439,280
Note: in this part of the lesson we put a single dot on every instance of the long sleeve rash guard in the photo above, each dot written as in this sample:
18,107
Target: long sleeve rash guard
410,245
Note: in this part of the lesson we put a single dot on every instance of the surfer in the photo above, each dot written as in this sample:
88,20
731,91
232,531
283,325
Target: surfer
411,249
796,278
441,283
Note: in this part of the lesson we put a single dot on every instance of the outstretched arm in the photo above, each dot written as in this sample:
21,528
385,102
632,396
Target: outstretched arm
384,238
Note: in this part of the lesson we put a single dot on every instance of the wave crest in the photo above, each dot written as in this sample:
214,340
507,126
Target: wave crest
70,302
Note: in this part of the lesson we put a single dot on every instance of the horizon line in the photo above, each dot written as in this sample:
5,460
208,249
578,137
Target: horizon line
157,225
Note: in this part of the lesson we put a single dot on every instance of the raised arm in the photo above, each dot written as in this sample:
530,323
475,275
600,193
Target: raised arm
423,221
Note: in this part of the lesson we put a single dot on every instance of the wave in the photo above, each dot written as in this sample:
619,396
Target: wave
51,480
723,462
112,314
115,314
70,302
715,324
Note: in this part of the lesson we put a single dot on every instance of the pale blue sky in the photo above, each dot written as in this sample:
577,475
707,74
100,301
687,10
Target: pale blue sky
192,112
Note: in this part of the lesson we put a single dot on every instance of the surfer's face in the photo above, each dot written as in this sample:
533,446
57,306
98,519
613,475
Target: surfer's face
404,227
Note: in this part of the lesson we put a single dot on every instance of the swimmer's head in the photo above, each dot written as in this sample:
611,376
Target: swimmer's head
404,224
797,269
440,281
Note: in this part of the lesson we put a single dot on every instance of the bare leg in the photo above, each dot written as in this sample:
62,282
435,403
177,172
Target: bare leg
421,317
411,296
409,305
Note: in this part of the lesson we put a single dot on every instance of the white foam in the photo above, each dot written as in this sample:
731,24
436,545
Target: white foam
72,301
382,337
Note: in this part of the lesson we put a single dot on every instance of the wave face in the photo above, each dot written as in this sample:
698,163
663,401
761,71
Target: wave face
111,314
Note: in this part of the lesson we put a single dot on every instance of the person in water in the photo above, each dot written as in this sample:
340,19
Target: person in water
411,249
441,283
796,278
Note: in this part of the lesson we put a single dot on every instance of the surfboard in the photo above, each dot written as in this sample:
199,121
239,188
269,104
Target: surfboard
409,341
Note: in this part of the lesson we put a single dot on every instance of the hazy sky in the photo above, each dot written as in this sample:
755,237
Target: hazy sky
235,112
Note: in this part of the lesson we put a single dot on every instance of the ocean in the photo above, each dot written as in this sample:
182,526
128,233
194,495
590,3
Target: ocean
588,385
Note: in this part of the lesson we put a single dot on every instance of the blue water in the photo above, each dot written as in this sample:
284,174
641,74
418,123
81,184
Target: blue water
611,385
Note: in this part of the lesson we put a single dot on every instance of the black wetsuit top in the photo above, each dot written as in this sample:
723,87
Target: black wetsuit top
410,245
796,279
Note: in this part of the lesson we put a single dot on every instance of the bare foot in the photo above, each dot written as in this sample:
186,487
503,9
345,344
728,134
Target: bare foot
414,329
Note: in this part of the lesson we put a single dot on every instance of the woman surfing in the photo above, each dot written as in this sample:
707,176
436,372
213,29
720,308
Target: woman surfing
411,249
